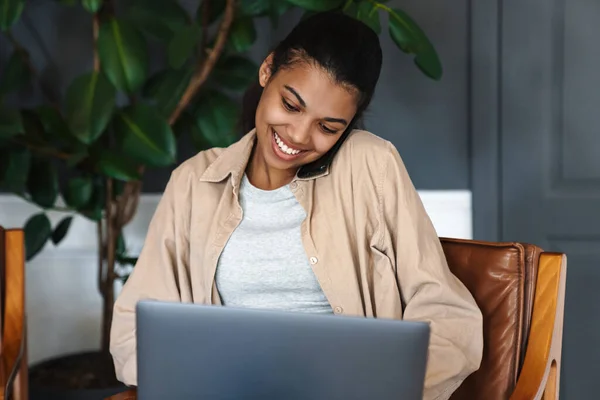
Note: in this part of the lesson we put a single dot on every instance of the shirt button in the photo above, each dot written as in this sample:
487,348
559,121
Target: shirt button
338,310
314,260
294,185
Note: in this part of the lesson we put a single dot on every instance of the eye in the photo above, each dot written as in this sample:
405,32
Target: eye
328,130
288,106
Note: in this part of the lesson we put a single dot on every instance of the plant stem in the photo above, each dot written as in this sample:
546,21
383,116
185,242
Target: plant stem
108,286
96,29
205,67
101,264
43,150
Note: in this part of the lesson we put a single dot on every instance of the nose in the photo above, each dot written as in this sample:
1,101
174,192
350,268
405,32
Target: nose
300,133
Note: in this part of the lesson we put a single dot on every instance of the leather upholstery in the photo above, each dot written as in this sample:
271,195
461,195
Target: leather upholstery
501,277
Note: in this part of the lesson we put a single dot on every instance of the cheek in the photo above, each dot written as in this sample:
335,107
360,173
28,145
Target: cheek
323,143
270,111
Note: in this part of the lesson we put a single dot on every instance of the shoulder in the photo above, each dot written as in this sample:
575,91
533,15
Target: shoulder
190,170
363,149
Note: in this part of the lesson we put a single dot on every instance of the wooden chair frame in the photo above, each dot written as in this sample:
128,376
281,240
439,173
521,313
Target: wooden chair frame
540,376
13,354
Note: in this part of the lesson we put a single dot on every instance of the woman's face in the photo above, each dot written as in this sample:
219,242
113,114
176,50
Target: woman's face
301,115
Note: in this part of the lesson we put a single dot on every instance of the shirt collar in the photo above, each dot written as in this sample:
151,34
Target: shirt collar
234,159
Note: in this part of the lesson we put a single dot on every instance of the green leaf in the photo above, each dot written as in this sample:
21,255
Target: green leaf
166,88
242,34
14,169
42,183
92,6
15,74
95,207
182,45
117,166
11,123
127,260
75,158
10,12
215,10
368,13
79,192
255,8
61,230
37,232
54,124
407,35
317,5
183,125
123,55
276,9
90,102
158,18
235,72
32,125
146,136
216,119
186,124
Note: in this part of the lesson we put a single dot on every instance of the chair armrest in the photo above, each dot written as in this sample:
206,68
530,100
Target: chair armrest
540,375
131,394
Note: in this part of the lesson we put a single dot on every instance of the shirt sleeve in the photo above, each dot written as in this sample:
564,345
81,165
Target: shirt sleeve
157,275
429,290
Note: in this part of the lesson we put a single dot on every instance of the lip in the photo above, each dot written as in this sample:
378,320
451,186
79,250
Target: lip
279,153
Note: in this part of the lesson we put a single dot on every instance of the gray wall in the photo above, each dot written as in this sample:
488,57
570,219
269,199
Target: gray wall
428,121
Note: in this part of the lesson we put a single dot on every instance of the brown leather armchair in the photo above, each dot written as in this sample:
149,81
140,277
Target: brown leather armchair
13,351
520,290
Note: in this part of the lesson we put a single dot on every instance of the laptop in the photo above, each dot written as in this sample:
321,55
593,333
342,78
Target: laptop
191,351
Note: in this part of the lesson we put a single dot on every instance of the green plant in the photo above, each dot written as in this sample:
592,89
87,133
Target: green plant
103,147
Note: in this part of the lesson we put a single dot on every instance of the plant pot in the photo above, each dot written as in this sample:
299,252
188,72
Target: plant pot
79,376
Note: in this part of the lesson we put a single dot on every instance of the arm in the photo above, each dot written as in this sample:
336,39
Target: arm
158,274
430,292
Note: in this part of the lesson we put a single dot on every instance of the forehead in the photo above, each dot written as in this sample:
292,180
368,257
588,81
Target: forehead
318,89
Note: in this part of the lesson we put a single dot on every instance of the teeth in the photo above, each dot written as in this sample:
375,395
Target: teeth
284,147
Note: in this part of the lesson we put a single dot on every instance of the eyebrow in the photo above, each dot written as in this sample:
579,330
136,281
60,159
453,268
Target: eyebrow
303,103
293,91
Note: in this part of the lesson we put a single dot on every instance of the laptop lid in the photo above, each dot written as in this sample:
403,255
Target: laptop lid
190,351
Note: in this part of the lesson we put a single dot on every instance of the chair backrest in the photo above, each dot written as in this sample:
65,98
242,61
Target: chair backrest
502,278
13,359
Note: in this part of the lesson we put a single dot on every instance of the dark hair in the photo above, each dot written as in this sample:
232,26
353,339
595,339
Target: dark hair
344,47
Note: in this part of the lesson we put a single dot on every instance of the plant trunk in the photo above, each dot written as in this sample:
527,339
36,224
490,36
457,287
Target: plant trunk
107,314
107,257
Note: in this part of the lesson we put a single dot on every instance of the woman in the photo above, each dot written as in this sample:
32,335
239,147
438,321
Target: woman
306,213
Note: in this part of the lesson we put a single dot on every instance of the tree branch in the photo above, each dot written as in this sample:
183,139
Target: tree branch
43,150
205,67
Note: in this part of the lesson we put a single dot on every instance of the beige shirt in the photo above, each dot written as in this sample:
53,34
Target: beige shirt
367,236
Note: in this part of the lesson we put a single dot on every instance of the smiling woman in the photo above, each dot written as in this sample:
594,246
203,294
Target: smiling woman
302,114
306,213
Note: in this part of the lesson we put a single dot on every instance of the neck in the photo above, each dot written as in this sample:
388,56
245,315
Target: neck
264,177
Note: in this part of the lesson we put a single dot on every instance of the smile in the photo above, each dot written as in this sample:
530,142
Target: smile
284,147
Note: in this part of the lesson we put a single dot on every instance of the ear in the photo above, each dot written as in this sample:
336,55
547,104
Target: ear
264,72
